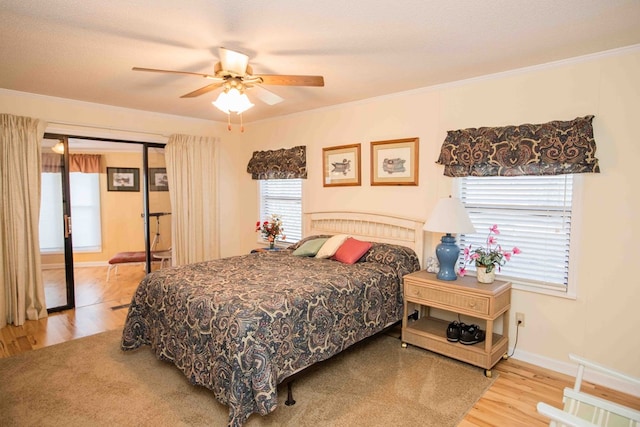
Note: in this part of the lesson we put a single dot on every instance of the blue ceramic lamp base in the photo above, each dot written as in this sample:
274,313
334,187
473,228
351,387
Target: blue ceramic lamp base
447,253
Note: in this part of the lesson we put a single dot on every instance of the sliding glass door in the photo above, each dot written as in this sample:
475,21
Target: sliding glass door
109,218
159,207
55,226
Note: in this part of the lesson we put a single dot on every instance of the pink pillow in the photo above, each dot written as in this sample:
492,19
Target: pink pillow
351,250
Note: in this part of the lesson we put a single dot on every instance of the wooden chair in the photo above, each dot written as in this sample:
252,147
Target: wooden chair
585,410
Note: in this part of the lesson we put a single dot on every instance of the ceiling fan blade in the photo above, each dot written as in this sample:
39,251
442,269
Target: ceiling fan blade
276,79
203,90
265,95
189,73
233,61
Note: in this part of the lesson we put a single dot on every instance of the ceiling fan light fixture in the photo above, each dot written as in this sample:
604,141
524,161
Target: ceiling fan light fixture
58,148
233,101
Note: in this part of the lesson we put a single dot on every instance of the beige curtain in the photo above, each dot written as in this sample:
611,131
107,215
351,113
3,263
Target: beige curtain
22,289
192,173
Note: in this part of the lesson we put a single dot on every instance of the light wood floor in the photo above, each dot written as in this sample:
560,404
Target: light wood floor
510,401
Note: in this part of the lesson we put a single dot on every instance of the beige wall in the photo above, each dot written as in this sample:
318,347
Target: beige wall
600,324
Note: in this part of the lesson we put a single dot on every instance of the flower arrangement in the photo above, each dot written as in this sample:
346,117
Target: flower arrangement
271,229
491,257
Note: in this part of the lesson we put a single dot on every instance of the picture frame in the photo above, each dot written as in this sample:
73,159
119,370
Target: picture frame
123,179
158,179
341,165
395,162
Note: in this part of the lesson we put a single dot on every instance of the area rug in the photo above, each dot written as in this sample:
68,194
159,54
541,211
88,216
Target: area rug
90,382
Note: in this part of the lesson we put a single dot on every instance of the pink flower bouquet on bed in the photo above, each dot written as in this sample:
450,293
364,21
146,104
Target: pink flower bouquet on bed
271,229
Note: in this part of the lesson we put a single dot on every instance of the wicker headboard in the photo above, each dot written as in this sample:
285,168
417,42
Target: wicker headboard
368,226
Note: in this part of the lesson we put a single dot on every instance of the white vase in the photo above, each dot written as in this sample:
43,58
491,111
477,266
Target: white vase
484,277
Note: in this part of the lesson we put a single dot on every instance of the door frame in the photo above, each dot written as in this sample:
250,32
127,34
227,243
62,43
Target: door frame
68,246
66,215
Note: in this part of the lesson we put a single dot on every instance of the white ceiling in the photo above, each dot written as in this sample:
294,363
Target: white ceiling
84,49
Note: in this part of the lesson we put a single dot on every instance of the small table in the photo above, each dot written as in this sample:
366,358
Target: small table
486,302
163,256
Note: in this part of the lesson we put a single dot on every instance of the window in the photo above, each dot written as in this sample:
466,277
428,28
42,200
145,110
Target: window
51,222
533,213
85,212
283,197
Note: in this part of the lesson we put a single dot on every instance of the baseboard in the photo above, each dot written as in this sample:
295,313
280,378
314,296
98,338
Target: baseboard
570,368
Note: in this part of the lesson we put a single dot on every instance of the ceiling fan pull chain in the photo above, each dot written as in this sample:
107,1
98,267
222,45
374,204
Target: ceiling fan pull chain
241,125
229,122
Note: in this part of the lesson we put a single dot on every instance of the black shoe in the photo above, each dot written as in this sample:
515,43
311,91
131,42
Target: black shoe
471,334
453,331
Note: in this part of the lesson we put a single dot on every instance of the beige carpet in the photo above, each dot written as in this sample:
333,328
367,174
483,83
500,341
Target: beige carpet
90,382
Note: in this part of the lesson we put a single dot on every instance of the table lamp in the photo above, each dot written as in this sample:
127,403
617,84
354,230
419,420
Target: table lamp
449,216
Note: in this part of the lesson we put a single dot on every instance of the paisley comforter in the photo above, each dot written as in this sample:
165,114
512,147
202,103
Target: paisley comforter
241,325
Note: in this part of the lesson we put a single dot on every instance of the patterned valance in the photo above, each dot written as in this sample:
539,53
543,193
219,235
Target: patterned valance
285,163
552,148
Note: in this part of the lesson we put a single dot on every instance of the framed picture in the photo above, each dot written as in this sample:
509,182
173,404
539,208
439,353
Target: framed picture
158,179
394,162
123,179
341,165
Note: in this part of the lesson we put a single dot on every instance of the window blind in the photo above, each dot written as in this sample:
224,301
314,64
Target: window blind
283,197
533,213
85,212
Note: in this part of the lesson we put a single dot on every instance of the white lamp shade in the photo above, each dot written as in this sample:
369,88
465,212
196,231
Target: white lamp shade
449,216
233,101
58,148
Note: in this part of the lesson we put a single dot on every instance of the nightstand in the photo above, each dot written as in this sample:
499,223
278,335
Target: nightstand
256,250
466,296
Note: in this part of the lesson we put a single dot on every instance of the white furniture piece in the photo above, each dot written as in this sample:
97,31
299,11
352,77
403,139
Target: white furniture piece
163,256
585,410
372,227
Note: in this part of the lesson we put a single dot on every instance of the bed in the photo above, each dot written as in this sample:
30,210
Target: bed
242,325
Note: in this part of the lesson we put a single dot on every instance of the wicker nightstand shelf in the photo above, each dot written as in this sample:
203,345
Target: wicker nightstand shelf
463,296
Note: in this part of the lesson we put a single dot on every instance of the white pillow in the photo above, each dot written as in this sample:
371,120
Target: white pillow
331,246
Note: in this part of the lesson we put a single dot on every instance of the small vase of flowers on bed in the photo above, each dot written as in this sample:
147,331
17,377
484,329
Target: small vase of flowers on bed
488,259
271,229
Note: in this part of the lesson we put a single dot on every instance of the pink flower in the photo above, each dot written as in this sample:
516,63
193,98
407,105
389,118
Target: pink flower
462,272
492,256
271,228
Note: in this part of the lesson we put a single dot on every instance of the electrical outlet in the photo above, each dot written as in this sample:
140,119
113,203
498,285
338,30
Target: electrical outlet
520,319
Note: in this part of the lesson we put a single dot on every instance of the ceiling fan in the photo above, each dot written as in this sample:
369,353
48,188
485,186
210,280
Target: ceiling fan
234,72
